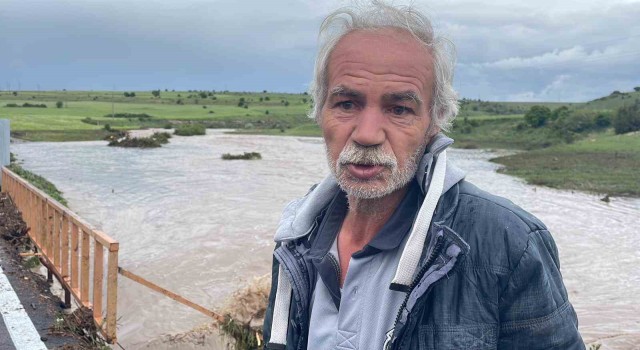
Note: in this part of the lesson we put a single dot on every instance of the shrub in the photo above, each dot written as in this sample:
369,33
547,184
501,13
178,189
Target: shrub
139,116
627,119
59,104
12,105
602,120
266,98
139,142
537,116
89,120
245,156
107,127
155,93
34,105
190,130
576,122
161,137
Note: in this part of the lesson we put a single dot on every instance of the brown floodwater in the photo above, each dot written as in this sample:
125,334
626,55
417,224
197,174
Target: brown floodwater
201,226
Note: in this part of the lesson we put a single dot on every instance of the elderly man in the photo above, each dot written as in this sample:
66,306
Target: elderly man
394,250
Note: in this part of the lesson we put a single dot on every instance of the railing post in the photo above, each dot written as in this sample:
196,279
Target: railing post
84,267
112,290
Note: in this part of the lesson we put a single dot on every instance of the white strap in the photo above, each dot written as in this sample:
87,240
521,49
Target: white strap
280,322
415,244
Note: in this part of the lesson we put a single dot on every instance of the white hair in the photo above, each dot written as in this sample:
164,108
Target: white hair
379,15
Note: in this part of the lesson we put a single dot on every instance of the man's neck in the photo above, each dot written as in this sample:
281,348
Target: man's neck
367,216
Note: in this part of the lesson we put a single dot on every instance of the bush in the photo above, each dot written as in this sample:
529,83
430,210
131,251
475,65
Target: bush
161,137
569,125
245,156
627,119
139,142
59,104
139,116
155,93
12,105
190,130
537,116
89,120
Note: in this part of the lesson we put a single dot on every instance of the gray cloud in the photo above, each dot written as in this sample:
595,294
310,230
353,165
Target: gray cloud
542,50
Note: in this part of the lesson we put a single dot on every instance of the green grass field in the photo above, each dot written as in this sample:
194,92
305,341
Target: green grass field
601,163
65,124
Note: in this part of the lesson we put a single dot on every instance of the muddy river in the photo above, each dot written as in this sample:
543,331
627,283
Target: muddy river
201,226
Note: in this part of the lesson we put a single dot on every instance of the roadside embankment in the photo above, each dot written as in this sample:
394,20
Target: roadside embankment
57,329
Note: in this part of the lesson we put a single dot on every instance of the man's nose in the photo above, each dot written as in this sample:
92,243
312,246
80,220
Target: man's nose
369,130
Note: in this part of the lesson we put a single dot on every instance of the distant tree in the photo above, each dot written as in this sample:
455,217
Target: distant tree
264,91
155,93
537,116
15,93
286,103
304,100
627,119
203,94
266,112
261,99
267,98
637,88
59,104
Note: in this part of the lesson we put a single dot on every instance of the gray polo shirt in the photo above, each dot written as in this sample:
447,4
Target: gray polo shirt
359,315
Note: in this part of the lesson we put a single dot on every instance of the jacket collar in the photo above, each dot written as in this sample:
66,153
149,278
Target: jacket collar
299,215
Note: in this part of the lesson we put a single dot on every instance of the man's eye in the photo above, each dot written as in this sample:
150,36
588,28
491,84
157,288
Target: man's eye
346,105
400,110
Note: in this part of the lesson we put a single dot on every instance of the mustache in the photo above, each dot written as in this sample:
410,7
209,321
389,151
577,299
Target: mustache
366,155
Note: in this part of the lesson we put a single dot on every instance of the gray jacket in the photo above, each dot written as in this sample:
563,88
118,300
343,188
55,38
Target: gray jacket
489,276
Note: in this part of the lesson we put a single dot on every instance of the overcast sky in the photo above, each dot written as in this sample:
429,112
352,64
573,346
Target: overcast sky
538,50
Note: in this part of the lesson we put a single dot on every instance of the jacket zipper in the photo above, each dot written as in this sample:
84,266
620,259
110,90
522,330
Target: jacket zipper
423,270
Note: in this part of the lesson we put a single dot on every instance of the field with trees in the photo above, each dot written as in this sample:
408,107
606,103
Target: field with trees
590,146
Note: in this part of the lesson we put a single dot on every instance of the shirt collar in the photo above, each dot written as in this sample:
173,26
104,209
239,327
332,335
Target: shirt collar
390,235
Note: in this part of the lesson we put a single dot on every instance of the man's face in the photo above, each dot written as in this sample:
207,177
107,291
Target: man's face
376,115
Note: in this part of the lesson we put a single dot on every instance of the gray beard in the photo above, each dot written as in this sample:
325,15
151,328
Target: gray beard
373,155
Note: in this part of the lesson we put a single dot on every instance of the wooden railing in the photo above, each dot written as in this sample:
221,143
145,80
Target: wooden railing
68,247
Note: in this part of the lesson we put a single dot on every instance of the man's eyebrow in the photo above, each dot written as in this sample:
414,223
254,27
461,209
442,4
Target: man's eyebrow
408,95
344,92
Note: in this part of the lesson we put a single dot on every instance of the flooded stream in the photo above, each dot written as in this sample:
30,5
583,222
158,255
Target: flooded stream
201,226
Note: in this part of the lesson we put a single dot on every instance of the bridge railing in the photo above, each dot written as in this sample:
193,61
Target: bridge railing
71,250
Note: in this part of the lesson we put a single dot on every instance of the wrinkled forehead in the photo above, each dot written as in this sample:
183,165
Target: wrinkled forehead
387,52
